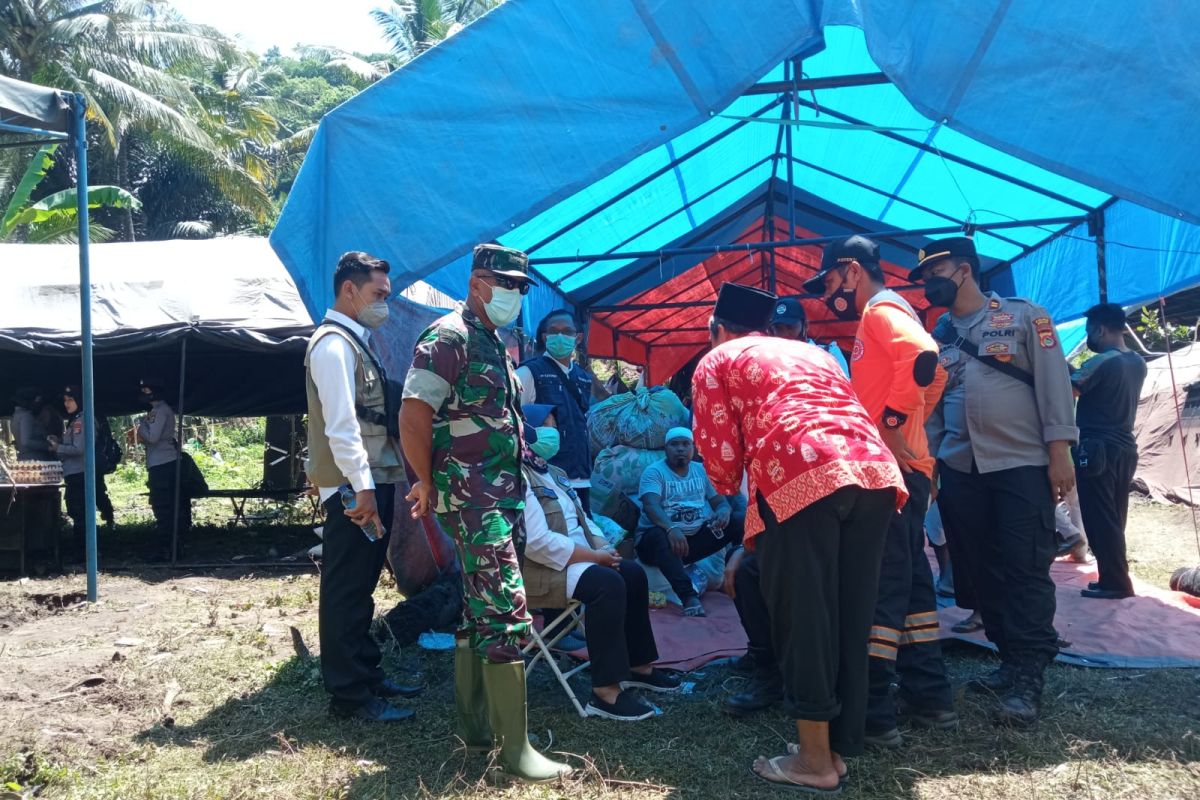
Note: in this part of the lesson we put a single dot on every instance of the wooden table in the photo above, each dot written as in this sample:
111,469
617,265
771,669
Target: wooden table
238,497
30,520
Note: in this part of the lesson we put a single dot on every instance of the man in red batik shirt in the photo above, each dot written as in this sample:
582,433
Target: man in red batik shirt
823,487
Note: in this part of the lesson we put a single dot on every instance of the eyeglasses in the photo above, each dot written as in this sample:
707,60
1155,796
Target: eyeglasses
505,282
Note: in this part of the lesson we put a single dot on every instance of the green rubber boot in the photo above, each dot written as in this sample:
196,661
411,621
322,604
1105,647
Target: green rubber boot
469,701
504,685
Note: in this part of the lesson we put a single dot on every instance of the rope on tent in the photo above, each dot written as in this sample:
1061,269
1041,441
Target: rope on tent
1162,307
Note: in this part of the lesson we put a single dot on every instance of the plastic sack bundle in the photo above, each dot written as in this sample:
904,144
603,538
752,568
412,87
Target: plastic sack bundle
613,532
638,419
618,469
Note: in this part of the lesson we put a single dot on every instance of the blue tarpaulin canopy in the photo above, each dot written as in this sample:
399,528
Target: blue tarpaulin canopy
620,141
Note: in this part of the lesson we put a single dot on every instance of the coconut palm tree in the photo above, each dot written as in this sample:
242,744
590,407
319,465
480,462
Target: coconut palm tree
124,56
414,26
145,72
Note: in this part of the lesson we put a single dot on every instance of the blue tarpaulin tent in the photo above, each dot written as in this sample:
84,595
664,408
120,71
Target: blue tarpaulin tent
621,142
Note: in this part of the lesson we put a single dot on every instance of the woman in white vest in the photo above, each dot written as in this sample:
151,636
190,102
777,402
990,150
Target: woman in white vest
561,538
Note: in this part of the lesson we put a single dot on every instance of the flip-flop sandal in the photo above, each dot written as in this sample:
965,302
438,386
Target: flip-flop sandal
782,781
793,749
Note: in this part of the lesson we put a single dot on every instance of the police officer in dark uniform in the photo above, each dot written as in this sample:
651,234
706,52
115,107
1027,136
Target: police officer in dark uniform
1002,435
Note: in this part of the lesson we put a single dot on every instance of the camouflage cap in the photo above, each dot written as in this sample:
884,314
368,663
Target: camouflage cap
503,261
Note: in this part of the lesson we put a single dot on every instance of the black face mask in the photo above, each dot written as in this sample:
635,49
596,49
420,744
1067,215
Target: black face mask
940,291
841,303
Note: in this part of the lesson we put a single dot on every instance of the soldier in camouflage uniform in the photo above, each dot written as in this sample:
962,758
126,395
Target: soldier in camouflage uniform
461,430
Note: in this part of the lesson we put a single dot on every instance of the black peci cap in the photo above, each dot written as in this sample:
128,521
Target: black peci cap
745,306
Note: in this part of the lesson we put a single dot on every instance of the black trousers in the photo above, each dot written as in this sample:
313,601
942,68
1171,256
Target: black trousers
819,575
350,567
617,612
752,611
1005,523
75,503
161,482
904,637
964,589
654,548
1104,505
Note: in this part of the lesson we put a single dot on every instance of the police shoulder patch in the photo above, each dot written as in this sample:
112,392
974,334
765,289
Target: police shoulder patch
1045,332
993,304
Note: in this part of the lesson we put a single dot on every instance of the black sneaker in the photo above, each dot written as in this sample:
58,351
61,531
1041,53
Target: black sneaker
656,681
627,708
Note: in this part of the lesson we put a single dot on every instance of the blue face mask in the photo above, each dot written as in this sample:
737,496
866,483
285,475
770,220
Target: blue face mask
560,345
547,443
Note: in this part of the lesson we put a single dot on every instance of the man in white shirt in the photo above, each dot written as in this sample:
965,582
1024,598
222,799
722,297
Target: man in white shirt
350,450
615,593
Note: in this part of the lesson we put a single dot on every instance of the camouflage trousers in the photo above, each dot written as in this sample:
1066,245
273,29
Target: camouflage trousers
496,618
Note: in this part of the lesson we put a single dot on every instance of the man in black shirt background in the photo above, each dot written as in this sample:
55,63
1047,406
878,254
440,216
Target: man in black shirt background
1108,386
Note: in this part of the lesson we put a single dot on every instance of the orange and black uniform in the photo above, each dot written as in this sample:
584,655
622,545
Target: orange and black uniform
895,372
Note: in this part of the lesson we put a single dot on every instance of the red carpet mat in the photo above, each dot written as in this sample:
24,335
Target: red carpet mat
1158,628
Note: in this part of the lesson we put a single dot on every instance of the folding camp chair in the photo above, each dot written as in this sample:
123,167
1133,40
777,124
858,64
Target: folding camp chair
548,589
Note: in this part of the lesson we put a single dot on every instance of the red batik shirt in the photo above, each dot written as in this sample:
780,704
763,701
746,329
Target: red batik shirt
784,412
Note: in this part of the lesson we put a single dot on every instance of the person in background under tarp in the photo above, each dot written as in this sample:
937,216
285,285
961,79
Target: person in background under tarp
156,431
1109,385
71,450
29,434
349,447
461,430
1002,436
823,486
555,378
898,381
614,593
790,322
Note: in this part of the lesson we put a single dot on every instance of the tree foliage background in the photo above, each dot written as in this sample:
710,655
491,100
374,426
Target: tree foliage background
203,136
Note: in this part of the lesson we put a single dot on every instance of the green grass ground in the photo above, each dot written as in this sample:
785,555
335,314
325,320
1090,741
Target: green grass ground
188,686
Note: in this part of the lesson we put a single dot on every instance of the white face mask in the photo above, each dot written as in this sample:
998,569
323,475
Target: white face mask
504,306
373,315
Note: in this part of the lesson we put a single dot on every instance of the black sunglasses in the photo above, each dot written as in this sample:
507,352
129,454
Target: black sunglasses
505,282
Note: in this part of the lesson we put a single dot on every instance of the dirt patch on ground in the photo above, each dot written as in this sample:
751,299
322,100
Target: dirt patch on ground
188,685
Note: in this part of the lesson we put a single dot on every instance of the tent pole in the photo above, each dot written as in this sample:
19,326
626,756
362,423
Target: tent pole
790,110
79,133
966,162
663,219
830,82
179,444
658,173
898,199
891,233
1096,230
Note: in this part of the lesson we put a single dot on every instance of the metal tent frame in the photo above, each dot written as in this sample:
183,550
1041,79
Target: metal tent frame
52,116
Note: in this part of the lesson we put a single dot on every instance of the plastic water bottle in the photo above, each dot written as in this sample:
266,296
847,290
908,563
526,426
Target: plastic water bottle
349,501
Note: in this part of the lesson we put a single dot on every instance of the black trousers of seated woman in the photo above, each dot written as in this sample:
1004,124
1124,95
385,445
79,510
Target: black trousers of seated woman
616,606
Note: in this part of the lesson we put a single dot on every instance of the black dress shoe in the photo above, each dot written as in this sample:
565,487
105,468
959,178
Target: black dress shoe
389,688
374,711
1105,594
763,692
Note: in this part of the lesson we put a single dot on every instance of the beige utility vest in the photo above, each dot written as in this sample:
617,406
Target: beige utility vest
549,585
382,455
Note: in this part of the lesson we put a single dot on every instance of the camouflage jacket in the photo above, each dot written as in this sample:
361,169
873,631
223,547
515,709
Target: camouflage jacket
463,372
